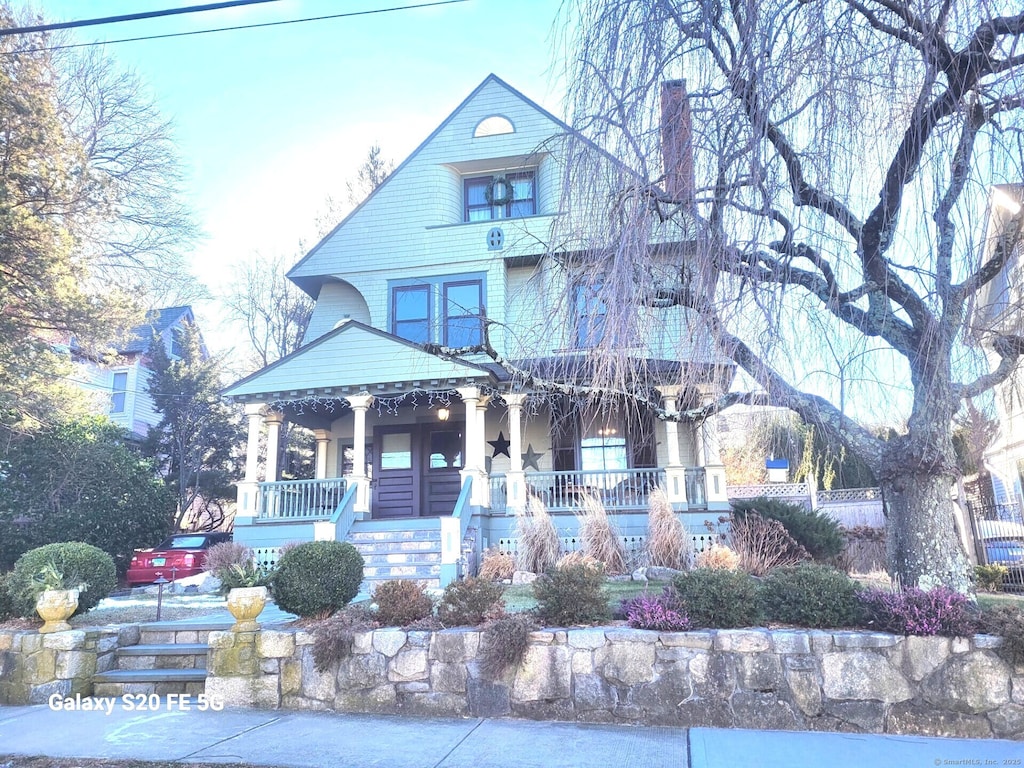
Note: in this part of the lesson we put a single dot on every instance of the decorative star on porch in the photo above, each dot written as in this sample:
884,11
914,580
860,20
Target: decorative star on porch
530,458
500,446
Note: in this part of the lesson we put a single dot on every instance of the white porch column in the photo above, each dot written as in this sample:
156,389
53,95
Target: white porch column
254,413
675,472
273,420
475,435
359,405
248,490
515,480
711,460
323,439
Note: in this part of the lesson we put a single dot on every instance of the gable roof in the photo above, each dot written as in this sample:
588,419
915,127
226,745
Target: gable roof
309,277
386,364
157,322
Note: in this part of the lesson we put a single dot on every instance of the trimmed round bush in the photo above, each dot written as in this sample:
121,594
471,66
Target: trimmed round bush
317,578
470,602
718,598
571,595
76,562
810,595
400,602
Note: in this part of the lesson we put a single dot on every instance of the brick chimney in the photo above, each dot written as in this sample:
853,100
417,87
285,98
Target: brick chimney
677,142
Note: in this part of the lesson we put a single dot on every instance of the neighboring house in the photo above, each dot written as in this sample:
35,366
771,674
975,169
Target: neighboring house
419,448
118,382
999,309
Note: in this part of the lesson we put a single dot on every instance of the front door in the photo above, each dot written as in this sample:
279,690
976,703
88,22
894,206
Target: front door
396,472
443,447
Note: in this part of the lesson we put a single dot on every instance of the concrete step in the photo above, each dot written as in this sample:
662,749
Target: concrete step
167,656
118,682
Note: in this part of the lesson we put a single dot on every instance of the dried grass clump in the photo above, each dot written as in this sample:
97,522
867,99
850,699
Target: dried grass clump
504,643
599,537
333,638
497,565
578,558
539,544
763,544
668,543
221,557
718,557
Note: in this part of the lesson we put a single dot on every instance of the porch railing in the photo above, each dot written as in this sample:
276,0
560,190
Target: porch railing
564,491
696,487
300,499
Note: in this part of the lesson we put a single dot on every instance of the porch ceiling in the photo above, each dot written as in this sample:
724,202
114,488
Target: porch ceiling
355,358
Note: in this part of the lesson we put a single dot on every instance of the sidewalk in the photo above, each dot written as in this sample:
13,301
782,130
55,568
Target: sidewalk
339,740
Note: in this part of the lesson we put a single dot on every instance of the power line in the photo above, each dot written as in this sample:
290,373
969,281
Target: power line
130,17
232,29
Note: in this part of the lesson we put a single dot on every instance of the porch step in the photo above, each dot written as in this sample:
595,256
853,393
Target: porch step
399,550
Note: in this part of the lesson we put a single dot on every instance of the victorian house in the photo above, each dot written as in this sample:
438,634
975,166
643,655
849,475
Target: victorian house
425,455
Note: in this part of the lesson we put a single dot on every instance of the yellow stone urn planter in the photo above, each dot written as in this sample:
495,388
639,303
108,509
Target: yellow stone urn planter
55,607
245,604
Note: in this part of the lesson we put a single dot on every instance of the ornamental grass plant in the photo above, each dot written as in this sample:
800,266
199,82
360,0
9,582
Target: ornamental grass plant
599,537
668,544
539,545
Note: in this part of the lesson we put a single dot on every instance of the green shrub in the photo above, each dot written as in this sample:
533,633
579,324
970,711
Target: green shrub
75,563
470,602
818,533
401,602
810,595
718,598
571,595
317,578
990,577
333,638
504,643
6,602
1007,621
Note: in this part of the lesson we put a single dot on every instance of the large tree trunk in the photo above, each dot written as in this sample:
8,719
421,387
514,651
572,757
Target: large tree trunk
923,546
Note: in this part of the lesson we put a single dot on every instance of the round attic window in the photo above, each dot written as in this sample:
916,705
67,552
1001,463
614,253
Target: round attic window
495,125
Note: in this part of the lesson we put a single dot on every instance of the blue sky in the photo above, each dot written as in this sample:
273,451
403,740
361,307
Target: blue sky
269,122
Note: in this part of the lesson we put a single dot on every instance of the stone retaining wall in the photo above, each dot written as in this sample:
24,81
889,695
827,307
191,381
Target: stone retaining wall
808,680
34,666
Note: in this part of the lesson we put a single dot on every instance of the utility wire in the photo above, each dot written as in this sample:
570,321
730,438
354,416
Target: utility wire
130,17
232,29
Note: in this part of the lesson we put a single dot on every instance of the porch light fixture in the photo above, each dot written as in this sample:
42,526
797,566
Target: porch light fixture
443,413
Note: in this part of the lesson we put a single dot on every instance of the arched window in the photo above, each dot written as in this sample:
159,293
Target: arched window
495,125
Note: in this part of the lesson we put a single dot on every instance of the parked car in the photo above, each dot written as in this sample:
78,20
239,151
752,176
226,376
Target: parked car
177,557
1004,545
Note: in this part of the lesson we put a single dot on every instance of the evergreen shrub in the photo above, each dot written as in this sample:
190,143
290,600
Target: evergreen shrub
810,595
718,598
571,595
317,578
818,533
400,602
470,602
76,563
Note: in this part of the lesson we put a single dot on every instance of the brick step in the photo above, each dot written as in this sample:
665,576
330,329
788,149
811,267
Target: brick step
370,537
180,632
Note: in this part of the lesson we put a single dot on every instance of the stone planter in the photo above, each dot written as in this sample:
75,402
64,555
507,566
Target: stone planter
55,606
245,604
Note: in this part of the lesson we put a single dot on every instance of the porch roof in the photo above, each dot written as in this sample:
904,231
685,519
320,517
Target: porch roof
356,358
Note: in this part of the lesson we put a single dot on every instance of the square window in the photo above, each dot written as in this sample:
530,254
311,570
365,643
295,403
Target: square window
446,311
500,196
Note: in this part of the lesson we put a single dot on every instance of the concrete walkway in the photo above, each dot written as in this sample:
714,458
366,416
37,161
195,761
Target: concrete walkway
337,740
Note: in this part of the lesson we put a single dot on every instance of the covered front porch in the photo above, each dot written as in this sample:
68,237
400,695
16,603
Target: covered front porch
418,441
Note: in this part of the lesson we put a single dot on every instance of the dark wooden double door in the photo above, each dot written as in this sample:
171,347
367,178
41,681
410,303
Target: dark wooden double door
416,469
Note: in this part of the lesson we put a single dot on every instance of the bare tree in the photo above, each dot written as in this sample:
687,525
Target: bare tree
373,171
844,152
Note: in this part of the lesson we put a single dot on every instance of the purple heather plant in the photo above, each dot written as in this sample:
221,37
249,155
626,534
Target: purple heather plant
661,612
940,611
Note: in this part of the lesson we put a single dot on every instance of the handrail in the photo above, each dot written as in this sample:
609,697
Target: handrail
344,516
462,504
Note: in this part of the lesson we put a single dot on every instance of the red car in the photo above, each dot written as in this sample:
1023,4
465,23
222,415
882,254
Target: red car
177,557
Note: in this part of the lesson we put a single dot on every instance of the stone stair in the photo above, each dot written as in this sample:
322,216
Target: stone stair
170,657
398,550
